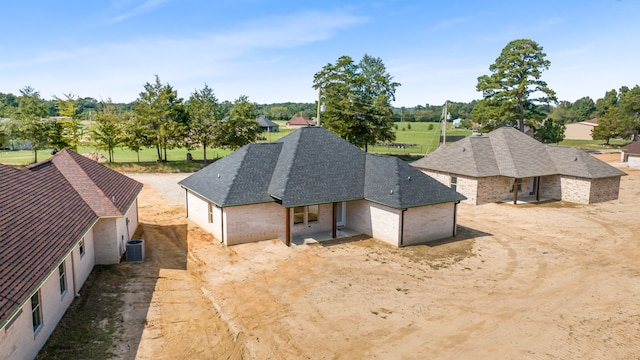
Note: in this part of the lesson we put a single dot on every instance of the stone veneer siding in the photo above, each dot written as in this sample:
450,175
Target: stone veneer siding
605,189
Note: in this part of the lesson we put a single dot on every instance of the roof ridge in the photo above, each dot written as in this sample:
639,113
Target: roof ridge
83,184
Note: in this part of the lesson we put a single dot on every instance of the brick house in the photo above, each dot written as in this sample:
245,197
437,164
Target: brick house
298,122
312,183
630,154
58,218
507,165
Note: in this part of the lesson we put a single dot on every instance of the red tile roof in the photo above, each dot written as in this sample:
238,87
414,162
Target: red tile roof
45,209
300,120
633,148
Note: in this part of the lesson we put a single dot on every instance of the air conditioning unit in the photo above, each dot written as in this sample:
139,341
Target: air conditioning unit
135,250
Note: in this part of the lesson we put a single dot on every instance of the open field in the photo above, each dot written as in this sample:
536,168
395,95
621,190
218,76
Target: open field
546,281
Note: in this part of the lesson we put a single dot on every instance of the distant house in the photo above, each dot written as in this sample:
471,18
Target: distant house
58,218
267,125
456,122
507,165
630,154
313,182
580,130
299,121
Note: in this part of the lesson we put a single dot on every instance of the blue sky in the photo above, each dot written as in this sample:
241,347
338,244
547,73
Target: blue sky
270,50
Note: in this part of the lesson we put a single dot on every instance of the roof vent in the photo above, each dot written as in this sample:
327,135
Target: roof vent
218,175
464,149
113,199
391,192
575,159
409,178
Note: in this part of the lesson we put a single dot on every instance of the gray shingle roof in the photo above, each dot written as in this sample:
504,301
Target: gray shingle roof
263,121
314,166
509,152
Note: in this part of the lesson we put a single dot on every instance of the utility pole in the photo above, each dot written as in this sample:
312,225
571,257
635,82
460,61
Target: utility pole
319,101
444,122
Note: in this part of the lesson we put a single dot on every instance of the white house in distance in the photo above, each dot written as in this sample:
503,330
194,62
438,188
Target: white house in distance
58,218
313,182
630,154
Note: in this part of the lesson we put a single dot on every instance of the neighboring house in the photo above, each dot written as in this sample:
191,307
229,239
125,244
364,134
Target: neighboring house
299,122
267,125
313,182
580,130
456,122
630,154
506,165
58,218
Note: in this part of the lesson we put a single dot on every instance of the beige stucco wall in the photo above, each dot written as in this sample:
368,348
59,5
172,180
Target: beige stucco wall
428,223
198,210
132,215
106,241
18,341
606,189
248,223
578,131
83,264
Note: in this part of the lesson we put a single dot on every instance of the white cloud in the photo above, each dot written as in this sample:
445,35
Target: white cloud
143,8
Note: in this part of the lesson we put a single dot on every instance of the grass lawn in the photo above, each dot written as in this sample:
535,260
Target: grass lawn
419,139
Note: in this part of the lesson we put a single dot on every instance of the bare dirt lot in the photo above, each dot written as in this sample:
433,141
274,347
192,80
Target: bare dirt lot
546,281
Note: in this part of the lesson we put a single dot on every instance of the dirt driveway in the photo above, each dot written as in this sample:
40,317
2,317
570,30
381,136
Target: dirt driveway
545,281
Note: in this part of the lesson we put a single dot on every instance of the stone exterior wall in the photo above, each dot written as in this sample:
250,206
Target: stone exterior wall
256,222
467,186
575,189
605,189
428,223
550,187
378,221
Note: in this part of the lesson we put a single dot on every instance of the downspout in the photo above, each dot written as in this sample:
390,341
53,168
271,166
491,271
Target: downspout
221,225
455,218
186,200
402,227
73,275
287,228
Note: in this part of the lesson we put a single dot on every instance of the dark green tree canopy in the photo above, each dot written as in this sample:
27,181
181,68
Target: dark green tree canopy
357,100
513,92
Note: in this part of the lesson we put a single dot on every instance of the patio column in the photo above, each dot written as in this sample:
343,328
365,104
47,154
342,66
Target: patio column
538,189
287,231
334,228
515,191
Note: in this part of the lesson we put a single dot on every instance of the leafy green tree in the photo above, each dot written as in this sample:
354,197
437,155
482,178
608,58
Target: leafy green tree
204,114
514,89
137,135
583,109
551,132
629,103
489,116
241,127
107,129
357,100
160,107
609,125
32,119
70,125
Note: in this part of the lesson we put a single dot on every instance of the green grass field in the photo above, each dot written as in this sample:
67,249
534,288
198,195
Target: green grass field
419,139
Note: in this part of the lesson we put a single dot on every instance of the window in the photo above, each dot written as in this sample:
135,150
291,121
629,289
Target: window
36,313
454,182
81,247
298,215
63,279
519,182
211,213
305,214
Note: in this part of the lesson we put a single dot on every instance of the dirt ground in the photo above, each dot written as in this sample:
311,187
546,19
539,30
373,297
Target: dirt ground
546,281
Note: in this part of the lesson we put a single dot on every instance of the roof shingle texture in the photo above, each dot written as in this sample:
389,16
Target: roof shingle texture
44,211
314,166
508,152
